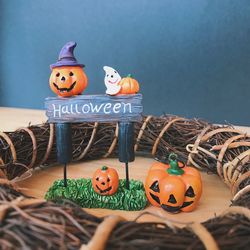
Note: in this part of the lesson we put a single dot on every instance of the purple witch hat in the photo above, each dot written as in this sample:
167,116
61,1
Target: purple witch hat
66,56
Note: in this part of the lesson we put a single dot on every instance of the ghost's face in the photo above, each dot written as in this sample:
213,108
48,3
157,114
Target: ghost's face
112,76
111,80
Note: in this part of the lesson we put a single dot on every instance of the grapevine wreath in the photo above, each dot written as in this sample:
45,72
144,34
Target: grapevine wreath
30,223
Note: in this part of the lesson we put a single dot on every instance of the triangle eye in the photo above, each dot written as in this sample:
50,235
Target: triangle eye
172,199
155,187
190,192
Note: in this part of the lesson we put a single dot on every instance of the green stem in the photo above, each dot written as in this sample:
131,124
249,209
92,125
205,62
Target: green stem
174,166
104,168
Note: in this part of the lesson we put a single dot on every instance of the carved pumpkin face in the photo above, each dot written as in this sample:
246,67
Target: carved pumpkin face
105,181
152,188
68,81
172,193
192,192
173,188
129,85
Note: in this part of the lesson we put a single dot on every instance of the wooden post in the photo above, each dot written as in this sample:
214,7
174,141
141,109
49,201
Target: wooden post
64,146
126,145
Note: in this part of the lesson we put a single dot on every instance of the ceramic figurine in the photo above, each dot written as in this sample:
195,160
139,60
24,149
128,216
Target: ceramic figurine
129,85
119,104
173,187
111,80
116,85
105,181
67,77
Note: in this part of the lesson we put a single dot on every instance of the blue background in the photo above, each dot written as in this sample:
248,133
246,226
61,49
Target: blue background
191,57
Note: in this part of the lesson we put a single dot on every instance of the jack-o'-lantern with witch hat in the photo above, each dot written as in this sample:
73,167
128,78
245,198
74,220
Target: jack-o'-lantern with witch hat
67,77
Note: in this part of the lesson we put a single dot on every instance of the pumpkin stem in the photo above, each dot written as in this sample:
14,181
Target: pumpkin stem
129,75
174,166
104,168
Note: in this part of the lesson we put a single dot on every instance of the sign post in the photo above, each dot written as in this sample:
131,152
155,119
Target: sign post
124,109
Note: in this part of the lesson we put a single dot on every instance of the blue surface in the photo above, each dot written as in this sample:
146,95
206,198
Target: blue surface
192,58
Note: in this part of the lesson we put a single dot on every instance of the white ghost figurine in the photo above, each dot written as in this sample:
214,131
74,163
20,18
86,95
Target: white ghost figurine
111,80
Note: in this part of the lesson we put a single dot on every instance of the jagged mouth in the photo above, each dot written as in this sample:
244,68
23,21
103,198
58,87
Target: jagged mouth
155,198
171,209
186,203
65,89
105,190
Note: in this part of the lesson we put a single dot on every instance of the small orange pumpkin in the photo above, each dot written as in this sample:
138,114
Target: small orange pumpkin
105,181
68,81
129,85
178,189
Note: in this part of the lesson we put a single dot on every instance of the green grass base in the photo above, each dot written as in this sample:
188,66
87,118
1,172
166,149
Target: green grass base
82,193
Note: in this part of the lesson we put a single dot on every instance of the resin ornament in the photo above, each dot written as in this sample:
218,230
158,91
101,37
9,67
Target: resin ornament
68,81
105,181
81,192
129,85
173,187
111,80
116,85
67,77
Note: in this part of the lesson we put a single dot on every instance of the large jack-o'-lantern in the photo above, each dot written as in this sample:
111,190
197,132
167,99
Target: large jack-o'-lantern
67,77
173,188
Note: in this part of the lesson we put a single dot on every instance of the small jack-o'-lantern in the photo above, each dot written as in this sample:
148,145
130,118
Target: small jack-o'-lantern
129,85
178,189
105,181
67,81
67,77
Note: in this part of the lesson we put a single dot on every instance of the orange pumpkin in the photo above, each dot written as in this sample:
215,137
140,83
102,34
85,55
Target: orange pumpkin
172,191
157,172
129,85
178,189
68,81
105,181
